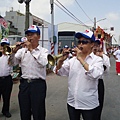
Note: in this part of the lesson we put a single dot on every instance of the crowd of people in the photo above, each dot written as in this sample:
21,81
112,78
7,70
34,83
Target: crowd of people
85,66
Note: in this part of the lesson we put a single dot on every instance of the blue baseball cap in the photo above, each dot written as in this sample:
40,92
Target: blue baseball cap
33,29
5,41
87,34
98,42
23,39
66,46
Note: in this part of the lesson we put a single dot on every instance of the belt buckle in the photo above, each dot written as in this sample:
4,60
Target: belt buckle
29,80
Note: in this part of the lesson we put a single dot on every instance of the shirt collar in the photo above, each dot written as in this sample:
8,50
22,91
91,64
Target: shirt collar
38,47
91,55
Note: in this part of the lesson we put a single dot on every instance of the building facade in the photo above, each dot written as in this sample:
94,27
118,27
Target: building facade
66,33
17,22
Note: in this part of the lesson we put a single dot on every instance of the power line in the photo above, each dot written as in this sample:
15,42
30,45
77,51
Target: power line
71,13
66,12
84,11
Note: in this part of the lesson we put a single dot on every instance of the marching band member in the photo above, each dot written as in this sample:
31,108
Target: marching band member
83,71
6,82
69,54
116,55
106,65
32,90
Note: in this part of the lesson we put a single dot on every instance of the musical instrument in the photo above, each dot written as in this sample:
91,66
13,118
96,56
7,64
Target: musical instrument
16,70
7,50
52,58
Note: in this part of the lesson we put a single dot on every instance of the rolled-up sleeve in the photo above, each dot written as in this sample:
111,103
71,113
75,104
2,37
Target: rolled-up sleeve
64,70
95,70
18,54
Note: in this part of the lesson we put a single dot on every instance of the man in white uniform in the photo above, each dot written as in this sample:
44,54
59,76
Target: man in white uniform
83,71
32,90
6,82
106,65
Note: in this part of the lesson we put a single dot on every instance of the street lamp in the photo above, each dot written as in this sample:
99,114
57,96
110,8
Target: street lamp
97,21
101,20
27,12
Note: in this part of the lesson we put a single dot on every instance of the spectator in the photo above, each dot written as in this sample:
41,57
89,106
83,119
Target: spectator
116,55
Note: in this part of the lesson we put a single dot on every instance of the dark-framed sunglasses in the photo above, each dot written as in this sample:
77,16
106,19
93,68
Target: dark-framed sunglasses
83,42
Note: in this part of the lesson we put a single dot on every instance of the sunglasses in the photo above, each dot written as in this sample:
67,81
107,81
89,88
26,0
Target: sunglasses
83,42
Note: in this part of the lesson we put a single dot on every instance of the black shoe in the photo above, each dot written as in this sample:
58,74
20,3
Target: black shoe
7,114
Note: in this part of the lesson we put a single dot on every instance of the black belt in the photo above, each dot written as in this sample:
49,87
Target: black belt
31,80
4,77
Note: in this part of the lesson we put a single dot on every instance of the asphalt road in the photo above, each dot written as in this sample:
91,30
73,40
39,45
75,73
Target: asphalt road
111,109
57,97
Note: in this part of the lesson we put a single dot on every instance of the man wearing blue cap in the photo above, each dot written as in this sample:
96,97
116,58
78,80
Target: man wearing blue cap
83,71
70,53
6,82
33,60
97,50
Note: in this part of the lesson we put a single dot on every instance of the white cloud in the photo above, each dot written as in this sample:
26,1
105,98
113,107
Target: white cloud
43,9
113,16
40,8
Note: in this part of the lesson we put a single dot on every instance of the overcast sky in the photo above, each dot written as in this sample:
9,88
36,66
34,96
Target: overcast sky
85,11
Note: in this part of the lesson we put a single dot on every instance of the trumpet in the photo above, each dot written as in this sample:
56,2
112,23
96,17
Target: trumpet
7,50
52,58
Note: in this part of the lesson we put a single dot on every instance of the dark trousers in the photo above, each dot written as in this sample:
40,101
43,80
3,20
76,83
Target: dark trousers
74,114
6,84
100,96
32,99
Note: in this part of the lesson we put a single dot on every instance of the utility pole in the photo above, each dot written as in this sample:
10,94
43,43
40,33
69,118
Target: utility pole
97,21
26,13
52,19
94,23
42,34
53,37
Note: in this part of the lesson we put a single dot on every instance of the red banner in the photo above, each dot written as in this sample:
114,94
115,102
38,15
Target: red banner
3,22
